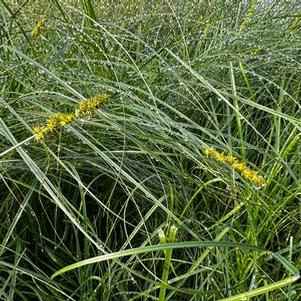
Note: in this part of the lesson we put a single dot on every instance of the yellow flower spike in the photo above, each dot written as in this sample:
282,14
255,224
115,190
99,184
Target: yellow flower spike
59,120
36,31
256,51
248,16
235,164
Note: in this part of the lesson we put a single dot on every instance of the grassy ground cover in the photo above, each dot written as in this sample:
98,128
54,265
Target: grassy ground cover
150,150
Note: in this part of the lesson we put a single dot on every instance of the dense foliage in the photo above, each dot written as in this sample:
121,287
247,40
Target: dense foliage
129,184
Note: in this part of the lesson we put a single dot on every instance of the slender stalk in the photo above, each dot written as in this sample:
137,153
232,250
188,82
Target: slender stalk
167,263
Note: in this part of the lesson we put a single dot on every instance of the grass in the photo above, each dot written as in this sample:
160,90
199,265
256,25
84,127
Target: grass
122,203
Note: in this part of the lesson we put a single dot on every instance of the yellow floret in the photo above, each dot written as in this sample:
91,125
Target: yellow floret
39,132
66,119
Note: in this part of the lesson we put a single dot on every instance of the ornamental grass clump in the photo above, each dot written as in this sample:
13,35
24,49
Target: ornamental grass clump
59,120
241,167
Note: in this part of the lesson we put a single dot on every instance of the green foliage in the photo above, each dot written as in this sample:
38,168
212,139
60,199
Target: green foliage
82,210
